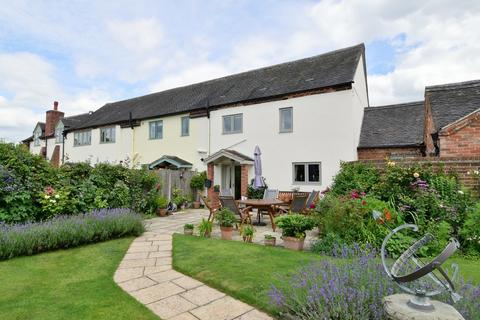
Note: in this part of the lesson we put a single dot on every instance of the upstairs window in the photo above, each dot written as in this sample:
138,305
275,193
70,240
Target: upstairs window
107,135
59,133
185,126
36,138
156,129
286,119
306,172
82,138
233,123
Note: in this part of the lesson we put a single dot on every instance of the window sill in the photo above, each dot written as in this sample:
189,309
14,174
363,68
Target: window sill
228,133
107,142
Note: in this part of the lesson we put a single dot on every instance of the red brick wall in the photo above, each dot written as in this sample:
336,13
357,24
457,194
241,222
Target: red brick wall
244,180
428,127
462,139
382,153
55,160
461,166
51,120
212,195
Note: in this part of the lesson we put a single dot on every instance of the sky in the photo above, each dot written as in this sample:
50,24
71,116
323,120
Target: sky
87,53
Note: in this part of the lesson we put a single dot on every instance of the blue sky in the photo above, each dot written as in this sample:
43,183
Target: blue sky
85,54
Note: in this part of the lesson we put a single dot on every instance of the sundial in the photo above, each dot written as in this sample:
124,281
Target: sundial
419,278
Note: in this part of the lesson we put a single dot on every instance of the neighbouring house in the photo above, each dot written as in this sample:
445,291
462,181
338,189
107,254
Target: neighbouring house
305,116
446,124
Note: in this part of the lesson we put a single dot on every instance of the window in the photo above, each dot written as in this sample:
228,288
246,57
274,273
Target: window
59,133
286,119
156,129
36,138
107,135
82,138
306,172
233,123
185,126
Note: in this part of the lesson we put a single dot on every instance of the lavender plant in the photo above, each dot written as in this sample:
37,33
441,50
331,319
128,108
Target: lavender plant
66,231
351,286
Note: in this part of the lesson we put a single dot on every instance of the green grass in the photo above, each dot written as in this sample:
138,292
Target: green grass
246,271
68,284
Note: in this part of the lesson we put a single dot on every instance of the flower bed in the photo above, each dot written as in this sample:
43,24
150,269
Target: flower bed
67,231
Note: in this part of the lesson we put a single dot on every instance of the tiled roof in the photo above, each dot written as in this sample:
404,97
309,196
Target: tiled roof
451,102
77,120
326,70
397,125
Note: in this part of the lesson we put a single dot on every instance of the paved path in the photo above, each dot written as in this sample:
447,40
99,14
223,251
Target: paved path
146,273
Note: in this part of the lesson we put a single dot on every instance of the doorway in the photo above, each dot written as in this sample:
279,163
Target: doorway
231,180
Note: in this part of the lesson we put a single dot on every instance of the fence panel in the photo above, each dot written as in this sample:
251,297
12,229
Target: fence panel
171,179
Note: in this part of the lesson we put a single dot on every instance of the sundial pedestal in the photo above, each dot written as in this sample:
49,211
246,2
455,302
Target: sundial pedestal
397,308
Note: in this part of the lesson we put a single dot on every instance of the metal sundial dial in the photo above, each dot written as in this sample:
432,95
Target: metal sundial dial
420,279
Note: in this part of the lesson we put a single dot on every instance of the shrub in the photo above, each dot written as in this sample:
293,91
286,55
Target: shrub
225,217
256,193
197,183
205,228
161,202
294,225
470,232
354,176
67,231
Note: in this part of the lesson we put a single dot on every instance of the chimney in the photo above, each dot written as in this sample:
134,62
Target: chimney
52,118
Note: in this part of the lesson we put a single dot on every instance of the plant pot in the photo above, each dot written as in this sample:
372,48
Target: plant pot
188,232
162,212
293,243
196,204
270,242
226,233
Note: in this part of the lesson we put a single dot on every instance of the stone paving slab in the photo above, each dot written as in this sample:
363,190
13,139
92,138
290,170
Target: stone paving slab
146,274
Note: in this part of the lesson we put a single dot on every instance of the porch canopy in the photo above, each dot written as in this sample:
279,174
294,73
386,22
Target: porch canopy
233,168
170,162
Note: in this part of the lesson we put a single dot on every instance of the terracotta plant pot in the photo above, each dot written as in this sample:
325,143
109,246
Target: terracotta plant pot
226,233
196,204
188,232
293,243
162,212
270,242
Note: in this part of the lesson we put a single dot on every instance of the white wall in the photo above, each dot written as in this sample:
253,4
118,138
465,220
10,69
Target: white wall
100,152
325,129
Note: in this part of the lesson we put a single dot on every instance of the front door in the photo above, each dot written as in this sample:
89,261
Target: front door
231,182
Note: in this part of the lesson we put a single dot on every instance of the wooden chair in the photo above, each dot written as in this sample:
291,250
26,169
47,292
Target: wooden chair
269,194
212,210
312,200
230,203
297,205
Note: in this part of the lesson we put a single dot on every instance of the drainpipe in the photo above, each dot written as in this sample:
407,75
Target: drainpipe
63,147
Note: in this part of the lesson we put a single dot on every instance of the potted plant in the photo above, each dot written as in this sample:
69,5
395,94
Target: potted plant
226,219
162,204
198,184
270,240
247,231
293,230
205,228
216,188
188,229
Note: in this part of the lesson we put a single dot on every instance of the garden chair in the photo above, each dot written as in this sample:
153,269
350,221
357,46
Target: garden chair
311,201
212,210
268,194
297,205
243,213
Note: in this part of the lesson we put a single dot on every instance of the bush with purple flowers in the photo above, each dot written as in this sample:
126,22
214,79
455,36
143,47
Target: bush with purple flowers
67,231
351,286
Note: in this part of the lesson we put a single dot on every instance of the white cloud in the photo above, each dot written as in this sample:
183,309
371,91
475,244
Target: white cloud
137,35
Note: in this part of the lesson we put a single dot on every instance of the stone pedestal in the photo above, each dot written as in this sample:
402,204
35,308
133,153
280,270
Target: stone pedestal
396,308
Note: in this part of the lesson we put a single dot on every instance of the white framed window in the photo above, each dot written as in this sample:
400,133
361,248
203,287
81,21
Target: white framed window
59,133
82,138
286,119
233,123
185,126
307,172
36,138
107,135
156,129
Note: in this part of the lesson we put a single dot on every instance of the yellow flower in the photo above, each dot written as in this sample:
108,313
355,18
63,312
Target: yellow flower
416,175
47,196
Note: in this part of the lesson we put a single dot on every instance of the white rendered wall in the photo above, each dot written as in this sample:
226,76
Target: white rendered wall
325,129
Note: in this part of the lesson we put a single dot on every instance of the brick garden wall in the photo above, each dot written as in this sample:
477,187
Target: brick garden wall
382,153
458,165
462,139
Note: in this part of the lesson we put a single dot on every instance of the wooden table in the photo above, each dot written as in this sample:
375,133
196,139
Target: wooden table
263,204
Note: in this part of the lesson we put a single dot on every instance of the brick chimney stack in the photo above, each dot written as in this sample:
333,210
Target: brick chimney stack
52,118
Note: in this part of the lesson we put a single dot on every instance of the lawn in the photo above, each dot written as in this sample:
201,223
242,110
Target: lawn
246,271
68,284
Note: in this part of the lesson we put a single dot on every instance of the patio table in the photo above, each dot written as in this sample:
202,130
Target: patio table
263,204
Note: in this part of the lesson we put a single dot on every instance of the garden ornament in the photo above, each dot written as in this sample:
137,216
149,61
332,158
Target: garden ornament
414,276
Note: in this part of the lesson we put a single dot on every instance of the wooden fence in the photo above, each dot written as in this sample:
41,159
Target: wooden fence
171,179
